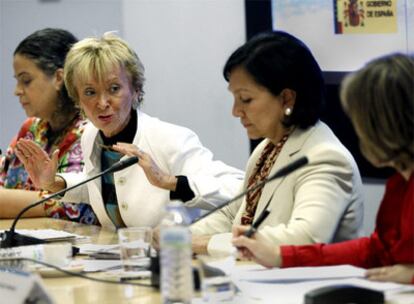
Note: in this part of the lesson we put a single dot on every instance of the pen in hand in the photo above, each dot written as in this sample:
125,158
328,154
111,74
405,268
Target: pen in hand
257,223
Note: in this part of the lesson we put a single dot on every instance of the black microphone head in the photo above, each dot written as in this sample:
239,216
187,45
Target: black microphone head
124,164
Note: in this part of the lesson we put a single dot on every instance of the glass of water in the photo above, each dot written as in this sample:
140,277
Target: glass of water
135,247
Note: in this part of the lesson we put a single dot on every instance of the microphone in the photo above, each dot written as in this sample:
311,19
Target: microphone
155,263
12,239
300,162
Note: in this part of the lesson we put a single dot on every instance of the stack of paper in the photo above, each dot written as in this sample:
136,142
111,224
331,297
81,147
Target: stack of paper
50,235
289,286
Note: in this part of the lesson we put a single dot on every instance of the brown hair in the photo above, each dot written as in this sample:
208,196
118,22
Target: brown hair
379,99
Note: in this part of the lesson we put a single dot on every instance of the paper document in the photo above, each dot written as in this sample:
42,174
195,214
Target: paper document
95,248
289,285
261,274
100,265
50,235
294,293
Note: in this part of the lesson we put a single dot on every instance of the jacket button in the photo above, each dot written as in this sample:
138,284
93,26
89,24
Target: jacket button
124,206
121,181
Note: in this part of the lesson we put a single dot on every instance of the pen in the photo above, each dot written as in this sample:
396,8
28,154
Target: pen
257,223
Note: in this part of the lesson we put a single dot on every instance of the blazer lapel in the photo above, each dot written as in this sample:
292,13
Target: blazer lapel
292,146
92,158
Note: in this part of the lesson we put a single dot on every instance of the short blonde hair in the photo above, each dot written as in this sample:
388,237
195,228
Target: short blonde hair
379,99
94,58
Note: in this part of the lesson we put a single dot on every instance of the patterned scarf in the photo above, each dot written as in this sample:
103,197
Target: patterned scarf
263,167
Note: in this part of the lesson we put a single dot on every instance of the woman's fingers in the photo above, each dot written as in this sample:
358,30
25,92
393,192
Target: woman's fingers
239,230
55,158
38,164
128,149
375,271
154,174
399,273
242,241
31,150
21,156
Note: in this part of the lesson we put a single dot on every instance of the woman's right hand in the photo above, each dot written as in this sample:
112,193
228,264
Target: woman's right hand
41,168
153,173
256,248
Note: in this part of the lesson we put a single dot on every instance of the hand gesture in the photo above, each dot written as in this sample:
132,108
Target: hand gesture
41,168
256,248
154,174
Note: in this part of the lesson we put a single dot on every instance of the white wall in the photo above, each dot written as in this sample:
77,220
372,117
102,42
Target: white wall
19,18
184,45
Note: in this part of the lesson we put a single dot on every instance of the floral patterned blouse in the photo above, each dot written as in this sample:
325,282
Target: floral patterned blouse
14,176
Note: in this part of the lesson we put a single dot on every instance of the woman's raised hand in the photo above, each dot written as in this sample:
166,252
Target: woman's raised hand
41,168
154,174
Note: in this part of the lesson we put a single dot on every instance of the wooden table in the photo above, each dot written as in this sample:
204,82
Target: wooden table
73,290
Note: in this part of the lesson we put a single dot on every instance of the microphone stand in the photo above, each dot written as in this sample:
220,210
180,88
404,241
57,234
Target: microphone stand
300,162
12,239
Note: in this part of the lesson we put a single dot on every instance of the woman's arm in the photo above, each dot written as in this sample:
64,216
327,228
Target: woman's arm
12,201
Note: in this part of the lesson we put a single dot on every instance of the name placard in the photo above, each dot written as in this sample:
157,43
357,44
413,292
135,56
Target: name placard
22,287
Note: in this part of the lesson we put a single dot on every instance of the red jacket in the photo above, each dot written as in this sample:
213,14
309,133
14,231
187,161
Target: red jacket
391,243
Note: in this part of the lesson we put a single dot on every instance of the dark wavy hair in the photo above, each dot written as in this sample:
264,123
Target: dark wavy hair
48,48
277,60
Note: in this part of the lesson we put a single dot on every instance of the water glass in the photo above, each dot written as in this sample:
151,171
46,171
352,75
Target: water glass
135,247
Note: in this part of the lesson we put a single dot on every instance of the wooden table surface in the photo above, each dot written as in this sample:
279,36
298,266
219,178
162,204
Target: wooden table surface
74,290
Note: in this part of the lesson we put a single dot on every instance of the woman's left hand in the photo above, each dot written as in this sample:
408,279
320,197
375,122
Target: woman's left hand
154,174
397,273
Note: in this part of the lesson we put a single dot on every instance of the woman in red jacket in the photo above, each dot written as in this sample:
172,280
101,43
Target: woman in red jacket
379,99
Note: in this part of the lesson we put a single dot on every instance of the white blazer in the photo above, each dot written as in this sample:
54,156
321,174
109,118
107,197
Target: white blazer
320,202
177,151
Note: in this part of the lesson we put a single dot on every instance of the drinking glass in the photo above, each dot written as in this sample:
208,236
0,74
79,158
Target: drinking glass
135,247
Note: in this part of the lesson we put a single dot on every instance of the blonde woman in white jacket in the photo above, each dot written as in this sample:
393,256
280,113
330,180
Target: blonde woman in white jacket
105,77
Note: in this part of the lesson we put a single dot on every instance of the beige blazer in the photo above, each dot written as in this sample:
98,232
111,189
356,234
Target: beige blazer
320,202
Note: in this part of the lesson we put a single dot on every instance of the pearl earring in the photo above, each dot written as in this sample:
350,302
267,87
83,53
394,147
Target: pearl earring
137,101
135,104
288,111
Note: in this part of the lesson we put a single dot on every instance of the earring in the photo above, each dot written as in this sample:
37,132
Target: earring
288,111
137,101
135,104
